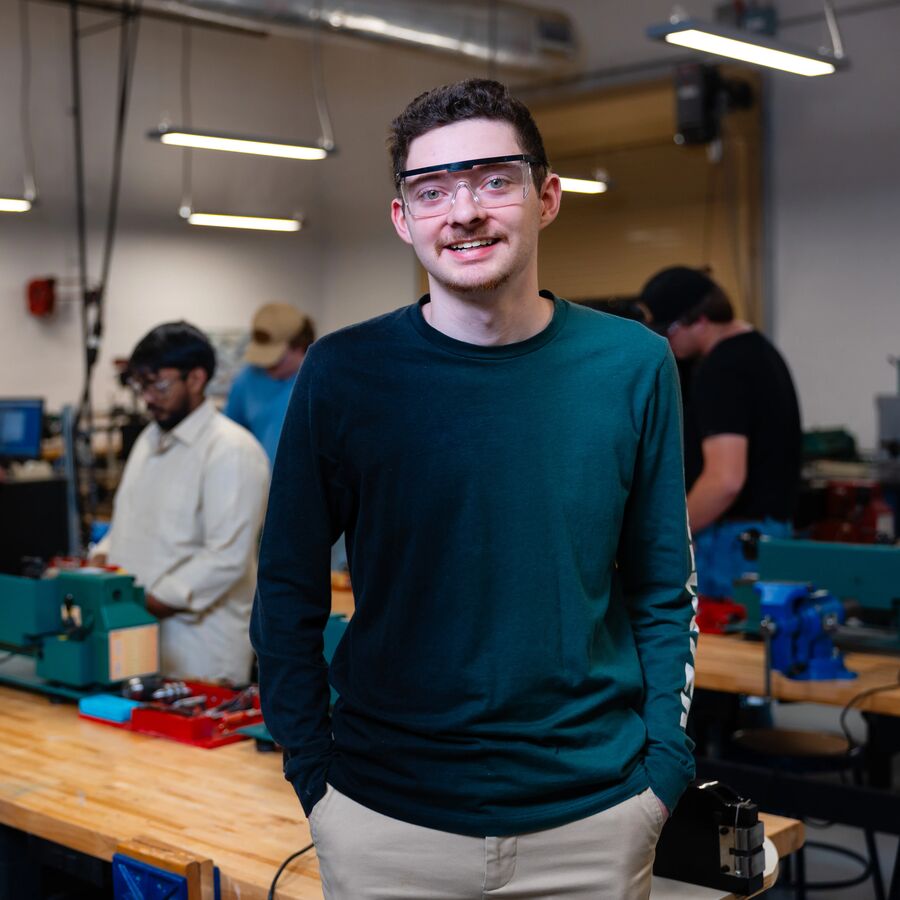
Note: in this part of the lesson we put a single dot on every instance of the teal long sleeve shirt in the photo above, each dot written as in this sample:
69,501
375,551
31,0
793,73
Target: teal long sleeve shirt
521,654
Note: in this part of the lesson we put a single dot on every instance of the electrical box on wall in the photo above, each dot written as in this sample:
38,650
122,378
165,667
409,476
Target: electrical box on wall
40,294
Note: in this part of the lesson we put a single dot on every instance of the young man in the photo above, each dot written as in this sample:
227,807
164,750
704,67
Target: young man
743,464
188,510
259,396
514,683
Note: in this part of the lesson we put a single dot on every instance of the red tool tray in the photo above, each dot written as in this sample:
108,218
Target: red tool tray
200,728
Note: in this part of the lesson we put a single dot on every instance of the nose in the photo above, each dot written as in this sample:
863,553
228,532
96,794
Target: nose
464,207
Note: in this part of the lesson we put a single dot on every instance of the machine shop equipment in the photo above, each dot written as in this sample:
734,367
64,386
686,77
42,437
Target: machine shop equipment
75,632
798,623
864,578
714,838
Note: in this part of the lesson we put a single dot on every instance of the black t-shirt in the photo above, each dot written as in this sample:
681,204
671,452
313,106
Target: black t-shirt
693,454
744,387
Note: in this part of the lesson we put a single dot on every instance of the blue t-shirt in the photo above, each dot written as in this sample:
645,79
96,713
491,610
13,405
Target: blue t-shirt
259,403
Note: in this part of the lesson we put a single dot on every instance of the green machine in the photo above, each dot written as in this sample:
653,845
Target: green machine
865,577
75,632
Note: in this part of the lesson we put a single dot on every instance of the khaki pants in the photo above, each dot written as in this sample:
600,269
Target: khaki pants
364,855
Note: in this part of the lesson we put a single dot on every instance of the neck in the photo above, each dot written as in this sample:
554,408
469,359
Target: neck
506,315
717,333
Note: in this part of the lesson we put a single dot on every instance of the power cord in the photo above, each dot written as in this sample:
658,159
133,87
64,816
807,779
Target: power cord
856,699
283,866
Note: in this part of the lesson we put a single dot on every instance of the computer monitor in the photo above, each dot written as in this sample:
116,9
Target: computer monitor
21,421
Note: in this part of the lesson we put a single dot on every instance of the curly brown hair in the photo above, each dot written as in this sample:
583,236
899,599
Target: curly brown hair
474,98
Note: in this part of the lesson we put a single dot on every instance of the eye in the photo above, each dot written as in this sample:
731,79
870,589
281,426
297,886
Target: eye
496,183
429,195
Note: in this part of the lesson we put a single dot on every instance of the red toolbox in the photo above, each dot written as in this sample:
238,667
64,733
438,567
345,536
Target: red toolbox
206,717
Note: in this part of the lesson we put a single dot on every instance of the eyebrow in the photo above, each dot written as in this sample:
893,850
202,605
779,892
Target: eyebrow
470,164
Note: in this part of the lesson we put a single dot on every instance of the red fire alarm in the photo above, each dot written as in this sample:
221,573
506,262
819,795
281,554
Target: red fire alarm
41,295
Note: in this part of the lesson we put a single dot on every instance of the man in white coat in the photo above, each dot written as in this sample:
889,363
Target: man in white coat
189,509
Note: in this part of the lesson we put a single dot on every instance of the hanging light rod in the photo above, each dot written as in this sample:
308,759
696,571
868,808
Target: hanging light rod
583,185
14,204
176,136
746,46
254,223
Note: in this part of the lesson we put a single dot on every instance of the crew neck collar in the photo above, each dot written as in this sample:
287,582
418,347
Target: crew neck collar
489,351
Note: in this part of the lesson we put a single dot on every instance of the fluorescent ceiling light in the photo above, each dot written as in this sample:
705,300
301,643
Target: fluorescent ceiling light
735,43
13,204
232,143
583,185
256,223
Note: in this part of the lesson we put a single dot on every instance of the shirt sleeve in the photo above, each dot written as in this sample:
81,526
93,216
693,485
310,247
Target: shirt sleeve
293,598
233,500
656,566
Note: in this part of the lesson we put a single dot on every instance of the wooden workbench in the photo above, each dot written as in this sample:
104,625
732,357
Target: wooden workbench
90,786
737,666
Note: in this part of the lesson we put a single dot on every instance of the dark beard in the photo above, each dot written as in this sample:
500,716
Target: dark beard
485,287
174,418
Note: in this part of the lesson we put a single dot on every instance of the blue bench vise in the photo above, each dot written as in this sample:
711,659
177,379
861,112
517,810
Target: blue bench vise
799,622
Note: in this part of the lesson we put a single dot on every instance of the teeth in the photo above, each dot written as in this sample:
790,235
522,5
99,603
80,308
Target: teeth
468,245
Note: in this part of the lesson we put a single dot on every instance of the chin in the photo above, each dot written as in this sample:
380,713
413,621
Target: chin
476,287
471,282
167,423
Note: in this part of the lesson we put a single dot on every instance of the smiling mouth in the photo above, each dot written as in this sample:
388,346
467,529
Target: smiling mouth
466,246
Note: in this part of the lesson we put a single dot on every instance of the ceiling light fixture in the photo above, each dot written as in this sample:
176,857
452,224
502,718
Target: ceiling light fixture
29,196
254,223
177,136
583,185
189,140
186,136
14,204
750,47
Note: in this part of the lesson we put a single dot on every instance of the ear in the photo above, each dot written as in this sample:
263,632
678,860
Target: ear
398,218
550,198
196,380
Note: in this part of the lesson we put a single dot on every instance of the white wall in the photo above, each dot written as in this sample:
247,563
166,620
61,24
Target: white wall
835,186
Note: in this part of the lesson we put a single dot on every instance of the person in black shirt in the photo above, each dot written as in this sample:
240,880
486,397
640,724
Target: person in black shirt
742,423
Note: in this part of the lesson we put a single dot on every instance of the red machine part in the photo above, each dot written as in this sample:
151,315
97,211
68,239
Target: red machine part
856,513
715,614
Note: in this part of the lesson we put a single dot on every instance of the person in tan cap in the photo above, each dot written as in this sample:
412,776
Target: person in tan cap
258,398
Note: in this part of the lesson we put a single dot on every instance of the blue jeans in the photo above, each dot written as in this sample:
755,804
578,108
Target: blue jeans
719,555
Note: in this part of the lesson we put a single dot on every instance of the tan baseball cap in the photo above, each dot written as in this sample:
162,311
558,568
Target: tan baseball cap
273,327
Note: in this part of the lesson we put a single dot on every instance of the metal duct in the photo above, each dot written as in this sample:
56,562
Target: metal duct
509,33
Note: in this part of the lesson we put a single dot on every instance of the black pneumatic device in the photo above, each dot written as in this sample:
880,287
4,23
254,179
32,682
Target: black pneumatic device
713,838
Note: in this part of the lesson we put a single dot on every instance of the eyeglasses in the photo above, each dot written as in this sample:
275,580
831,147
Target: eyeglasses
157,386
493,181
